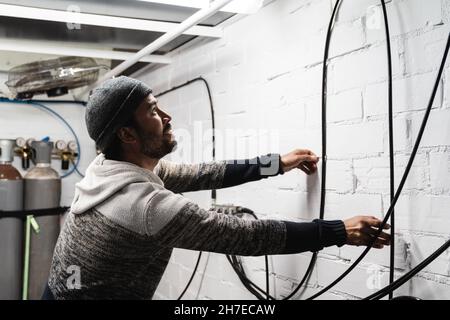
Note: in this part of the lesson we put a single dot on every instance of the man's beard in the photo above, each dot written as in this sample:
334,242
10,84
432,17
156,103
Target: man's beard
156,147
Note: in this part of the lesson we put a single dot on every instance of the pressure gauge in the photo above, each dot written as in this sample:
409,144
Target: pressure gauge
29,141
60,145
72,145
21,142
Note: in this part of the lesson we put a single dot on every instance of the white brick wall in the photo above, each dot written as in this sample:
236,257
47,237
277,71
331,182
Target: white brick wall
266,74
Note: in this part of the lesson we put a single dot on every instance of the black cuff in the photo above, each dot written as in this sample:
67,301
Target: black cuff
301,237
242,171
332,232
313,236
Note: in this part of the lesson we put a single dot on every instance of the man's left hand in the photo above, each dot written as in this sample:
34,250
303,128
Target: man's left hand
302,159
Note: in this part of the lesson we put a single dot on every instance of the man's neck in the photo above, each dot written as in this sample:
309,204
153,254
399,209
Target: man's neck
141,161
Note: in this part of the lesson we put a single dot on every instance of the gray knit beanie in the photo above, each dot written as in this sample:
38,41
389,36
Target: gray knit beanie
111,105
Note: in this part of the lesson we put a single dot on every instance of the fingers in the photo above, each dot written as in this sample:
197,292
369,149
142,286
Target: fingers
308,167
307,155
367,239
305,168
373,232
375,222
311,166
365,231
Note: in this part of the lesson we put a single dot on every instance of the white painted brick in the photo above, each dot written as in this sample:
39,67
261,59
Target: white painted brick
446,75
215,289
440,172
357,283
309,81
350,11
379,256
424,53
376,99
313,111
349,205
426,289
200,65
446,11
414,92
414,14
291,205
340,176
345,106
266,73
219,82
347,37
365,138
372,179
164,290
419,175
423,213
437,132
229,56
359,69
423,246
401,129
313,16
291,266
199,110
300,138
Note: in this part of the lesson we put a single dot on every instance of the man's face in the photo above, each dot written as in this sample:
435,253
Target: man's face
154,129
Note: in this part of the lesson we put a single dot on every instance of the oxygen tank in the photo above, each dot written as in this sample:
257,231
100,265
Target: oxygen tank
11,229
42,191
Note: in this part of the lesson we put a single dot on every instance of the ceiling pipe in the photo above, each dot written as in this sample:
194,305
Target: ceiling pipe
60,48
163,40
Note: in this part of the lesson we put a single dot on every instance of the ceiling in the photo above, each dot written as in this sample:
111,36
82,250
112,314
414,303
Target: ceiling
30,27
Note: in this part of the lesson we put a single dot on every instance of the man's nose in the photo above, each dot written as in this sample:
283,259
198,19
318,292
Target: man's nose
166,117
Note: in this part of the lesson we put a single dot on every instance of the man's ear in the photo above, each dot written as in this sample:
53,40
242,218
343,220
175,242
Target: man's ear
127,135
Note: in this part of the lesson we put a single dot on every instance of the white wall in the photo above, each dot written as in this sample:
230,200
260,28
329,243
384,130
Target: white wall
265,75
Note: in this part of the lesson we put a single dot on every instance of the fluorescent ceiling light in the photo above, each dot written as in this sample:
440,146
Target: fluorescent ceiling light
236,6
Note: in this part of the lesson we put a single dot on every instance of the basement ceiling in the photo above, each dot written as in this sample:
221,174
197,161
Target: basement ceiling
38,28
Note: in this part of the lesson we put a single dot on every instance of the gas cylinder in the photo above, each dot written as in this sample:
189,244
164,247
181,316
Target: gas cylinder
42,187
11,229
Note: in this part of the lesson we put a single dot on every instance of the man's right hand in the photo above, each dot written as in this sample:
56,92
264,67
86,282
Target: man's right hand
362,229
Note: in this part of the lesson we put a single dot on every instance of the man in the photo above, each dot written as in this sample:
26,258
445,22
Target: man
126,216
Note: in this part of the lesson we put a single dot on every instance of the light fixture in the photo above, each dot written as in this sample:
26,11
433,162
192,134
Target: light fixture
236,6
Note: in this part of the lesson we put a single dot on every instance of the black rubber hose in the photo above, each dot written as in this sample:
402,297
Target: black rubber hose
404,177
192,276
266,257
242,276
406,277
313,260
213,125
391,145
239,269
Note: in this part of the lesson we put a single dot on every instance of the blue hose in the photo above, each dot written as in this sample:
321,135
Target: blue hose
41,106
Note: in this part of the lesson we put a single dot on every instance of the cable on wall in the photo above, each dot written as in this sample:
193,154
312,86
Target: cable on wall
235,262
213,125
404,177
391,144
313,260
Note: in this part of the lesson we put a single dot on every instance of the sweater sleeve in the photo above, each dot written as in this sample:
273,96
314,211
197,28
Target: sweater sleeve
215,175
193,228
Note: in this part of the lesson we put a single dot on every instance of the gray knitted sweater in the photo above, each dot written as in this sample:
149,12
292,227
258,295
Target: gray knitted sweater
125,220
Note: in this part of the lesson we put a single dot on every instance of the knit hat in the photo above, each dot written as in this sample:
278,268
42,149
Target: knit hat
111,105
